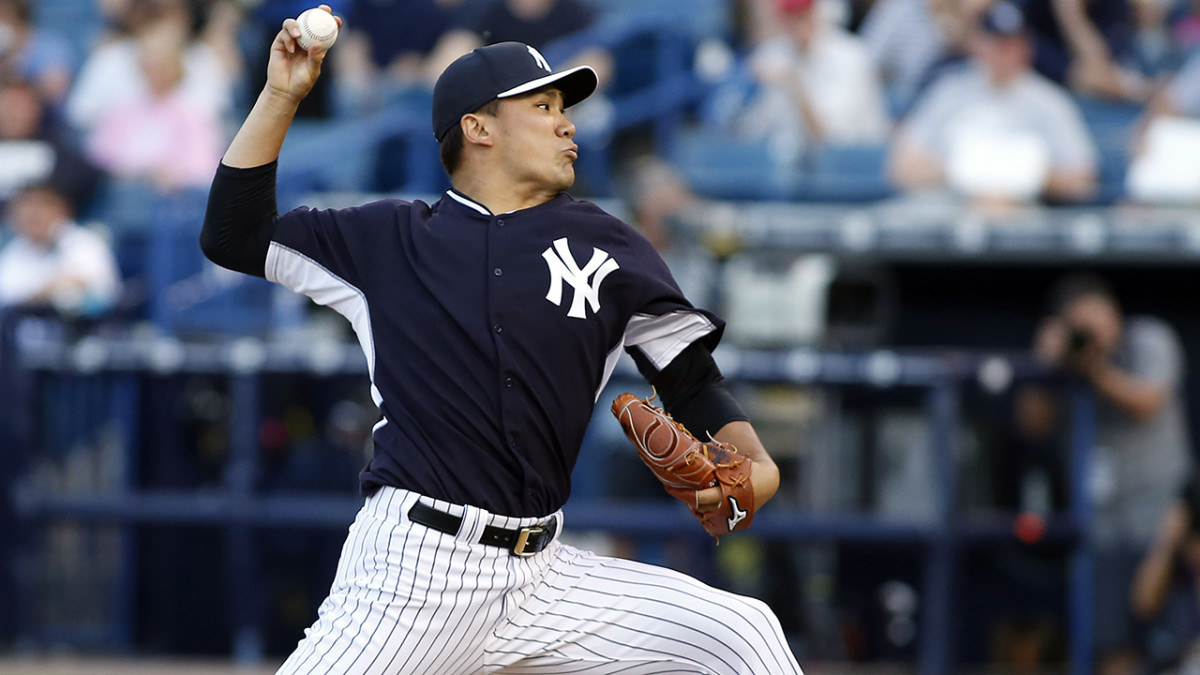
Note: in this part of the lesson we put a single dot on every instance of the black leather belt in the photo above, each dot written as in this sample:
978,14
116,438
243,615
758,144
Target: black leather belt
525,541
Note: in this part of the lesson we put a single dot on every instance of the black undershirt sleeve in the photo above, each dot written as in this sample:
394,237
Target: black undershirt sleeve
240,218
693,390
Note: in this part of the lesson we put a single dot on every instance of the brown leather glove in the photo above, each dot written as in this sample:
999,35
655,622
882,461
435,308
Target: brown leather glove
685,464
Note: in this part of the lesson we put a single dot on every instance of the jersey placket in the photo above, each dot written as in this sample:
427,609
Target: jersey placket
508,381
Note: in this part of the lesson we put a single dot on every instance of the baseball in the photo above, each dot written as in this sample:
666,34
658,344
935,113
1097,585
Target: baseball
317,27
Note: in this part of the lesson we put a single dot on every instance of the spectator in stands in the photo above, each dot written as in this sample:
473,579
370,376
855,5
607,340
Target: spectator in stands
1165,165
913,40
816,83
856,13
33,149
53,262
217,26
1088,46
113,74
755,21
158,136
656,195
1142,453
375,61
33,54
538,23
752,21
1185,28
1166,585
995,131
661,205
1156,53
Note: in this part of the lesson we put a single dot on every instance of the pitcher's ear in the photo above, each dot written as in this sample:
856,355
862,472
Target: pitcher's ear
477,129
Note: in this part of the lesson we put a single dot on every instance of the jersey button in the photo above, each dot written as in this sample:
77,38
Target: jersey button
512,442
497,328
497,271
508,382
500,223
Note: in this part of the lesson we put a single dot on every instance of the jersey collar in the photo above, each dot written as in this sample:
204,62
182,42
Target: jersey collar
476,206
468,202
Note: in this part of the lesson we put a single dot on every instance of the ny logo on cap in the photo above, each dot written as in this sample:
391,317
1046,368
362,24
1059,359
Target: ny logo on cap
541,60
564,268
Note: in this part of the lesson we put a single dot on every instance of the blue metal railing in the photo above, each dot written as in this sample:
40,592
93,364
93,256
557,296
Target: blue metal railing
236,507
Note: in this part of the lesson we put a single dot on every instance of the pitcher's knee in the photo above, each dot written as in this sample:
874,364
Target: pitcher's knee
758,637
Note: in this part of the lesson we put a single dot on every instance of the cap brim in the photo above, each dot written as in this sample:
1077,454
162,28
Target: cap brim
575,84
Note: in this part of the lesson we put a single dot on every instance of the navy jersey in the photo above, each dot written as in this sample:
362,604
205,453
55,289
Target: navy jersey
488,338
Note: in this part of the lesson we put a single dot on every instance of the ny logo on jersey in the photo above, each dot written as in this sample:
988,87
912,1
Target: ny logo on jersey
564,268
541,60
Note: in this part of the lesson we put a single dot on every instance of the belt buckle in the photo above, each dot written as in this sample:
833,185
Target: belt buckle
523,539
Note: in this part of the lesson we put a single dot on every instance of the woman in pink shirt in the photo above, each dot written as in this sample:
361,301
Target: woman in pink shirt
160,136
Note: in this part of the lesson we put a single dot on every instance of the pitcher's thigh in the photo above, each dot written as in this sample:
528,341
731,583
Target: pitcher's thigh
615,614
404,606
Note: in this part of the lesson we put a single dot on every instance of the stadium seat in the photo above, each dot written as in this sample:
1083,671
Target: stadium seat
187,293
849,173
392,150
81,16
406,154
123,206
1112,124
721,166
325,155
703,18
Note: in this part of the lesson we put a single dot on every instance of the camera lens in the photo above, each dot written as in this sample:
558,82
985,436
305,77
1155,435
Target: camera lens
1078,340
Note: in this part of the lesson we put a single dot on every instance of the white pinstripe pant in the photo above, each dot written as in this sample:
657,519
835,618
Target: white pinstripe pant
410,599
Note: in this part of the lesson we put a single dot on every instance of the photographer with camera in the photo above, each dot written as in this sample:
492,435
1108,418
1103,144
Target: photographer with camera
1141,457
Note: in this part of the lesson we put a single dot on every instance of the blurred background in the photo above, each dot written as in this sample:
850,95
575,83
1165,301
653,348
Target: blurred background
955,240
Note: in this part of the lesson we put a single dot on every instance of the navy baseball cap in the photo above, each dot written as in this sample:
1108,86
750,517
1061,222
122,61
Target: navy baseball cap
499,71
1004,19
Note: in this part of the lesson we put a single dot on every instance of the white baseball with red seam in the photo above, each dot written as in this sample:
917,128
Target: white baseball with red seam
317,27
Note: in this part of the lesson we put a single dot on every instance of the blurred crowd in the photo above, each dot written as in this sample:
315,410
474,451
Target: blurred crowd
991,102
980,98
975,97
984,102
